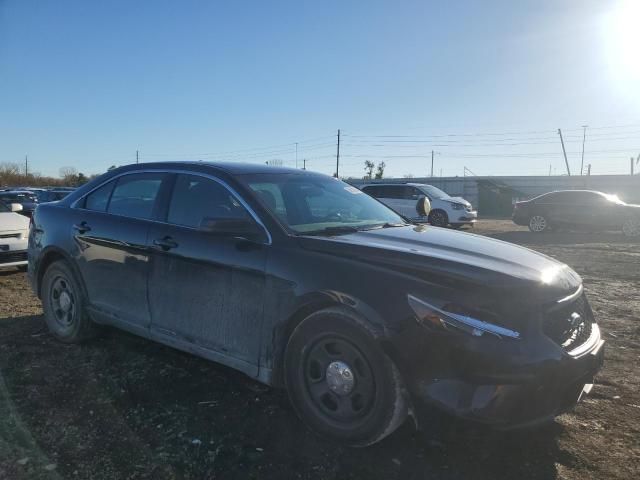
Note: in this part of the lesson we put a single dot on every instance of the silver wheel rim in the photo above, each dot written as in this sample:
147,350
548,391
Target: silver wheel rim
62,302
631,228
538,223
438,219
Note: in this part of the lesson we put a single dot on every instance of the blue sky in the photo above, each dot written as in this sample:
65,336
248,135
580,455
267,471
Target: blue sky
87,84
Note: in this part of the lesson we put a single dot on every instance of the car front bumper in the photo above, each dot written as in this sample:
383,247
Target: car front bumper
515,404
464,218
505,385
13,251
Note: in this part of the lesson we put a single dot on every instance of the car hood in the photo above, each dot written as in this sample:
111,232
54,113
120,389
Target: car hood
440,255
459,200
10,221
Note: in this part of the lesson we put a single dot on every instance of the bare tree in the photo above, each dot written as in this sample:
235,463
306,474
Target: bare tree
408,175
66,172
380,170
368,168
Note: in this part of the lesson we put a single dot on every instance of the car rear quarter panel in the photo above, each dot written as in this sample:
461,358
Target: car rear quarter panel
49,240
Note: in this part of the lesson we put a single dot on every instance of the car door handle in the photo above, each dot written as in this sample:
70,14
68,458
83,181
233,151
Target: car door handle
165,243
82,227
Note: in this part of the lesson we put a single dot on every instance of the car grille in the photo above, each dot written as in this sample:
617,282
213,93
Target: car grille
10,235
10,257
570,325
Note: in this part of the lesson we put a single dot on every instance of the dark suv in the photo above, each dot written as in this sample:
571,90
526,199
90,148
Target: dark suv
302,281
579,210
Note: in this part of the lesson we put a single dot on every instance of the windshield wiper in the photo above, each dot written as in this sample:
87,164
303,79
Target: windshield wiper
384,225
338,230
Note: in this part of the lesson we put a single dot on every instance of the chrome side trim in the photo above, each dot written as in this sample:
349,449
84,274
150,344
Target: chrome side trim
587,346
573,296
230,189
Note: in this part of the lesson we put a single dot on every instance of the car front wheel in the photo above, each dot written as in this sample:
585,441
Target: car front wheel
339,381
63,304
538,224
438,218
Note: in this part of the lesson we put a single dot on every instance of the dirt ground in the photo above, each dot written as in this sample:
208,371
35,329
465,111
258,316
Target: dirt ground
123,407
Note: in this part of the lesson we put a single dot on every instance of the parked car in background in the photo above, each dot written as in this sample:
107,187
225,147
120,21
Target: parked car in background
578,210
303,281
51,195
14,235
27,199
403,198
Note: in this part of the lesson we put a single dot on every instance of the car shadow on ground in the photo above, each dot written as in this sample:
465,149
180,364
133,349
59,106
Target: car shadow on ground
563,238
122,406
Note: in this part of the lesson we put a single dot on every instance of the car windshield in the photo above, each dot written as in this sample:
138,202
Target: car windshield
20,197
433,192
309,204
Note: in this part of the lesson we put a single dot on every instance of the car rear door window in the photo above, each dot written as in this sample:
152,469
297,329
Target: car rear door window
396,192
99,198
197,198
135,195
373,190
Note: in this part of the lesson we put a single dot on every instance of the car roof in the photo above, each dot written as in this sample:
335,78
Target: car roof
411,184
17,192
233,168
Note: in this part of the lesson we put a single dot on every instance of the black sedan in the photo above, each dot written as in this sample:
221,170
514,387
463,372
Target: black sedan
302,281
578,210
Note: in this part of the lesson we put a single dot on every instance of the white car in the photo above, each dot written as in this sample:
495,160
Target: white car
403,198
14,236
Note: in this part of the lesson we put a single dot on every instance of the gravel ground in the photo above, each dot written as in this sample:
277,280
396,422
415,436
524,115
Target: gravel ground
123,407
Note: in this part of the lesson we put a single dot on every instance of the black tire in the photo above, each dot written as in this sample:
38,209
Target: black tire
438,218
319,347
538,223
63,303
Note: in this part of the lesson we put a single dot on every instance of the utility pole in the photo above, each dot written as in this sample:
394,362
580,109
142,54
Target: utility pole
549,169
304,163
26,166
431,163
584,135
137,156
296,154
338,157
564,152
589,170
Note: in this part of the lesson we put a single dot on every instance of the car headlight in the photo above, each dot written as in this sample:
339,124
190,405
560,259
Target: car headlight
430,315
457,206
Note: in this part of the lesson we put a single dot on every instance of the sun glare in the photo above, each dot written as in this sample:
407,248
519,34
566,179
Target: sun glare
623,44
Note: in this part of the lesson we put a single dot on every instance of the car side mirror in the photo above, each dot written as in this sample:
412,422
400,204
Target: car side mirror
423,207
232,227
15,207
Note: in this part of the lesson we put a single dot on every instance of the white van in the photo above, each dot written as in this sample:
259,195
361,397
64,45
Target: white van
403,198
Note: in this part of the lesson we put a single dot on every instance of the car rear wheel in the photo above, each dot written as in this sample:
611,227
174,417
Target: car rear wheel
438,218
631,227
63,304
339,381
538,224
